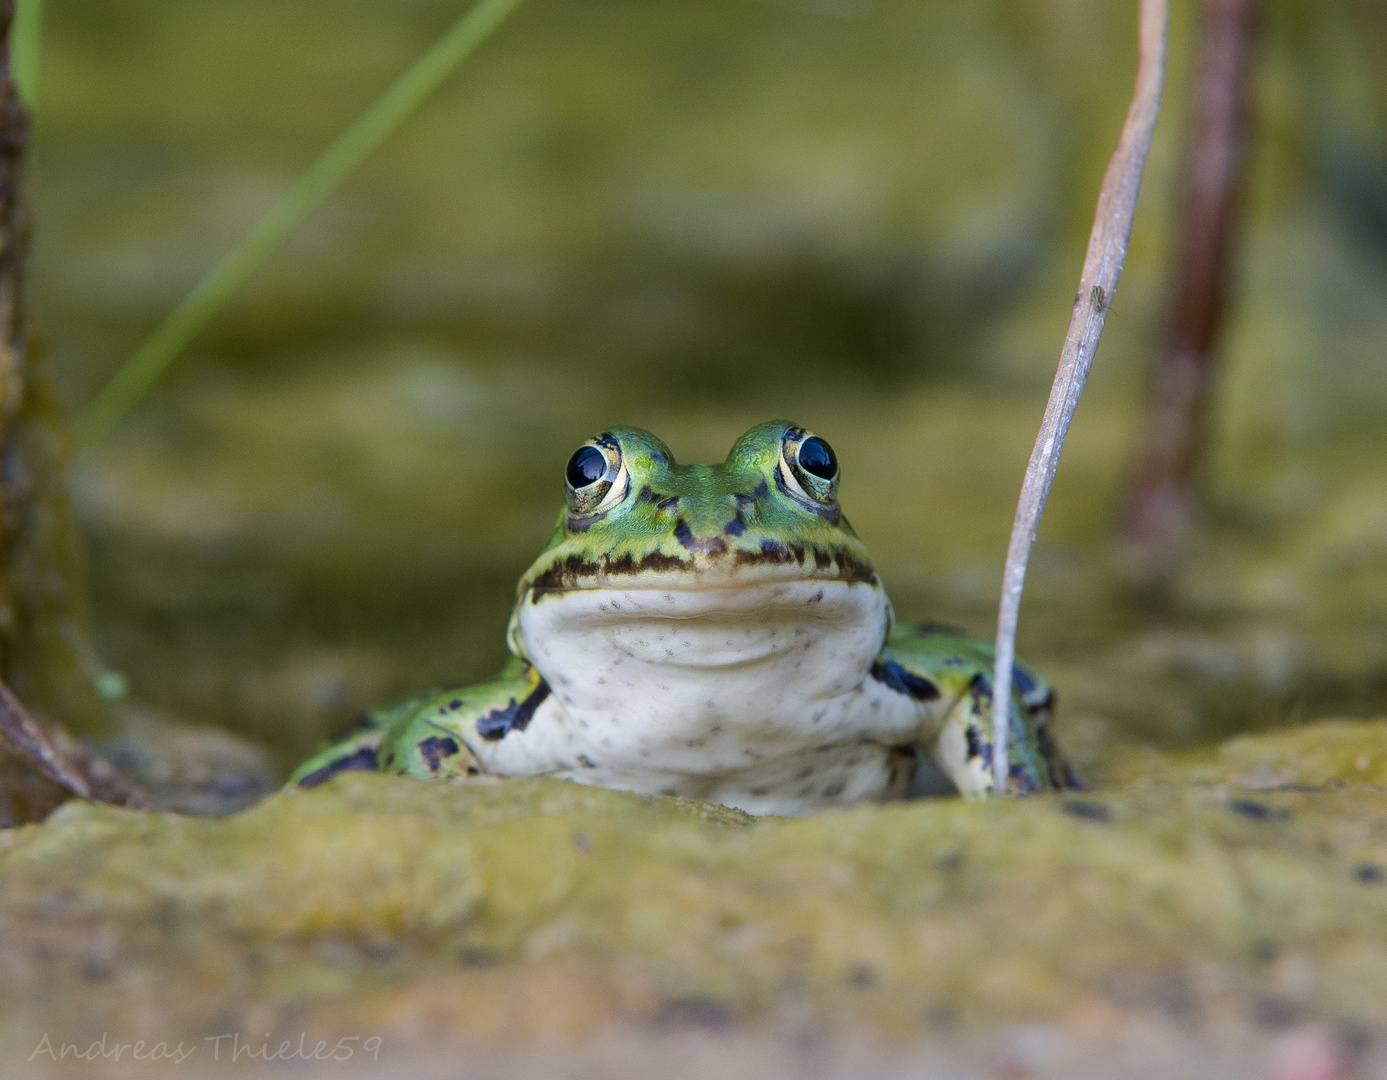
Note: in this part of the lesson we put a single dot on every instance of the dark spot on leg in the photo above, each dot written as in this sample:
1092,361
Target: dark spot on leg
435,749
515,716
893,676
975,747
363,759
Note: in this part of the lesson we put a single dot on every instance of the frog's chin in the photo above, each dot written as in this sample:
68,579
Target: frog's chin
760,653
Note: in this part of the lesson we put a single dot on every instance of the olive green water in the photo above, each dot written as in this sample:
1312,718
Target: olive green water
868,216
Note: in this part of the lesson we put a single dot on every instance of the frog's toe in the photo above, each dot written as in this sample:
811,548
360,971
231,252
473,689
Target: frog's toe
1063,775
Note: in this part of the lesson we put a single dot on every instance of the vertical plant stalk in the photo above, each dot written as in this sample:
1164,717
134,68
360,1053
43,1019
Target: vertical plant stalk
138,373
1163,499
42,586
1107,249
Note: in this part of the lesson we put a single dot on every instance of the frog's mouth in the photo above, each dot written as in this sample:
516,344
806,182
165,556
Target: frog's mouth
703,568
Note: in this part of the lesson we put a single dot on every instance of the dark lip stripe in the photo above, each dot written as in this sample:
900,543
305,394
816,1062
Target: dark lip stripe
565,575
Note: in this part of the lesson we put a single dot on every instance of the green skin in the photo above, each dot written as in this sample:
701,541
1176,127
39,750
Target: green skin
731,546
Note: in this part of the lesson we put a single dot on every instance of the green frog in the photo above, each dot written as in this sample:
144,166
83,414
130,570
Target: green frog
716,632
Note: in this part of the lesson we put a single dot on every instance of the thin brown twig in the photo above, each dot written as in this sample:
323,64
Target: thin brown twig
23,735
65,764
1107,248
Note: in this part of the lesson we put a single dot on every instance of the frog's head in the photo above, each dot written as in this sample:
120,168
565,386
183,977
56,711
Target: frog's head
636,519
699,565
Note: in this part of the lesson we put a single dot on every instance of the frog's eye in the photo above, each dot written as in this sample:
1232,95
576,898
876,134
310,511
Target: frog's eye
585,467
809,468
817,458
595,479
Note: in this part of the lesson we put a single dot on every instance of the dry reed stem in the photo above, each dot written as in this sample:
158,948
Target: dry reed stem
27,740
60,761
1107,248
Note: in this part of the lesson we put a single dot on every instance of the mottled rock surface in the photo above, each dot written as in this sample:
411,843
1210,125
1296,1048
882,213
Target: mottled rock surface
1236,898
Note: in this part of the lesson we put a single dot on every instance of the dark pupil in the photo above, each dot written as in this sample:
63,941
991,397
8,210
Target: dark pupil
586,466
816,457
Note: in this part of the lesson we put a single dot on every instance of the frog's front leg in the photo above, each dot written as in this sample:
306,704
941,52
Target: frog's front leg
957,732
963,750
356,747
459,732
511,726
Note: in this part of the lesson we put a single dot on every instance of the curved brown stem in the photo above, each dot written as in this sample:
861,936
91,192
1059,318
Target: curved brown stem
26,739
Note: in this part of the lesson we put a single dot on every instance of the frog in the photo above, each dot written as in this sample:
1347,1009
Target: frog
716,633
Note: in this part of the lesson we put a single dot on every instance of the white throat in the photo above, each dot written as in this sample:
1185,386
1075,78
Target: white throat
706,677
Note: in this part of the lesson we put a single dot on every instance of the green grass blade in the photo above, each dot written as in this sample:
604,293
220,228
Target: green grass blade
158,351
25,34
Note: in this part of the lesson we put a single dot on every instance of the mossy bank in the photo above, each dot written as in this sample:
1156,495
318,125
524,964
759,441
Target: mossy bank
1249,883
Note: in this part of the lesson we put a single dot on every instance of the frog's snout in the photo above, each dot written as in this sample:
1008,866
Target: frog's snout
696,545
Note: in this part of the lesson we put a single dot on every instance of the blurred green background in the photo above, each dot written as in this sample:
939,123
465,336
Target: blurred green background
867,215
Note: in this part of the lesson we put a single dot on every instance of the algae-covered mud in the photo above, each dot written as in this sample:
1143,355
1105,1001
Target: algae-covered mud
867,216
1219,893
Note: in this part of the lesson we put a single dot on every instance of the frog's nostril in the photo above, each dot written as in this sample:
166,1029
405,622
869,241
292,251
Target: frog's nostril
713,545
